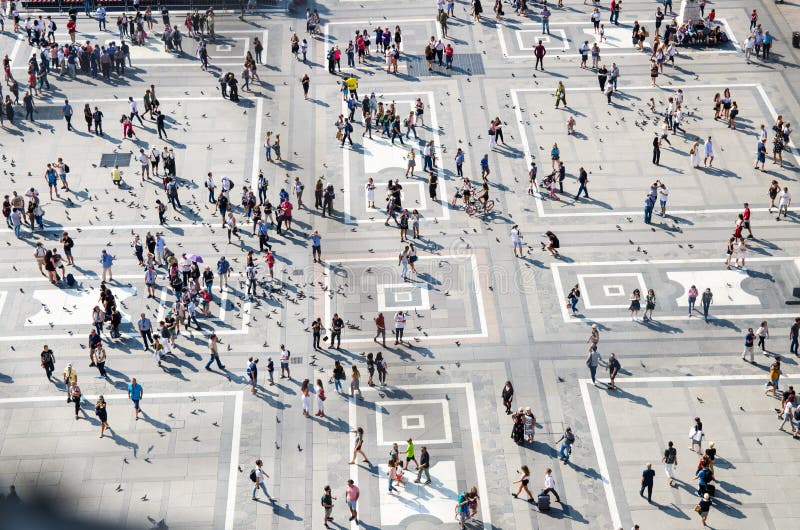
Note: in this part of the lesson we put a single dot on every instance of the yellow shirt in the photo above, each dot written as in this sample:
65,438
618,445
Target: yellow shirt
352,83
116,175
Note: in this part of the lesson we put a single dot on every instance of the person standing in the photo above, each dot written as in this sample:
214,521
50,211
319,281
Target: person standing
656,149
337,324
316,247
593,361
749,338
102,414
647,482
380,328
399,327
613,370
380,365
48,361
327,505
260,480
539,52
784,201
706,299
305,81
516,241
285,363
424,466
523,480
107,261
550,485
670,460
252,374
135,393
352,494
793,336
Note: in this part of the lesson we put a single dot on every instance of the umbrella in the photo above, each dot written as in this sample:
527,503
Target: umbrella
194,257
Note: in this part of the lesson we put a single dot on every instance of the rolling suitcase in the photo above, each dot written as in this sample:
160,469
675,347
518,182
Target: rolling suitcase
543,502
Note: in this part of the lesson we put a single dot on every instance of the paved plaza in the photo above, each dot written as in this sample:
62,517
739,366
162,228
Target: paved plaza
475,315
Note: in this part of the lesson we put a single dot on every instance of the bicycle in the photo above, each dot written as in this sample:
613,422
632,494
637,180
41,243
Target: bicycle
474,206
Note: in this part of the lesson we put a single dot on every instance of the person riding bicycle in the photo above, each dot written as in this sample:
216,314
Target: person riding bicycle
483,196
466,191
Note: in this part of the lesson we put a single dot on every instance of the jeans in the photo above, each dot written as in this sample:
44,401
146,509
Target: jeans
268,153
692,301
427,163
582,187
211,197
263,488
546,25
336,336
793,345
648,214
337,385
593,371
215,357
146,334
649,490
563,452
787,417
574,302
705,310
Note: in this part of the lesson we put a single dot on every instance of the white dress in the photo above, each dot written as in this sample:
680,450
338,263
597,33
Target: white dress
695,158
370,192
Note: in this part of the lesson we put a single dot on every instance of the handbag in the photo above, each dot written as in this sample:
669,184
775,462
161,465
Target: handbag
697,508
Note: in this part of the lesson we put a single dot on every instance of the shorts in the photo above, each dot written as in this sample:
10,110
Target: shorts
328,512
352,505
517,244
135,404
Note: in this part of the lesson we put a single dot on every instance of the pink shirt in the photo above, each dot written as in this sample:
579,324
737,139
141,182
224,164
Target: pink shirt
352,493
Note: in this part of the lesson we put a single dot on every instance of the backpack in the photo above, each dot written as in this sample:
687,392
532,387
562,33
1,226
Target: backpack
253,475
670,455
797,414
70,280
66,168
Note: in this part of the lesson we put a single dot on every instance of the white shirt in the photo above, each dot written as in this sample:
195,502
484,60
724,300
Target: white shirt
284,356
785,197
515,236
210,183
762,135
709,148
399,321
549,482
663,194
143,159
134,107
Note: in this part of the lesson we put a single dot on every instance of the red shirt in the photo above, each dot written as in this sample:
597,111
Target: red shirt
379,322
270,260
746,214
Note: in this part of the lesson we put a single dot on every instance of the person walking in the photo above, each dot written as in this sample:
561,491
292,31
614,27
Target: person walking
649,305
102,414
763,334
550,485
399,327
305,81
355,382
706,300
561,94
507,395
703,507
74,392
774,376
380,365
567,439
48,361
424,466
516,241
327,505
252,374
593,360
670,460
213,341
647,482
135,393
380,328
284,359
696,435
145,328
358,446
259,476
107,261
523,480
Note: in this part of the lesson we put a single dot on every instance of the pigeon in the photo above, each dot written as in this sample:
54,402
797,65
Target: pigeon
699,399
119,488
741,408
299,448
144,497
196,438
759,441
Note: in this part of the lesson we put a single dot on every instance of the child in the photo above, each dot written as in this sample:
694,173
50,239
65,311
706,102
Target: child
602,32
271,371
158,349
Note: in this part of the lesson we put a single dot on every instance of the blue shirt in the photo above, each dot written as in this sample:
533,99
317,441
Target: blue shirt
748,339
107,260
68,107
702,477
315,240
223,266
460,158
484,163
135,391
